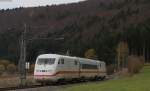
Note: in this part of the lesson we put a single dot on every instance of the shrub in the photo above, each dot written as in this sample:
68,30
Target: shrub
11,68
91,54
142,59
135,64
2,69
147,64
110,69
4,63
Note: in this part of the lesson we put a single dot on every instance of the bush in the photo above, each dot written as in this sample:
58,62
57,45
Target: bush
91,54
135,64
11,68
142,59
4,63
2,69
110,69
147,64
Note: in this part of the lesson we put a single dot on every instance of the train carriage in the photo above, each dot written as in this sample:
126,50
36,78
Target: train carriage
53,68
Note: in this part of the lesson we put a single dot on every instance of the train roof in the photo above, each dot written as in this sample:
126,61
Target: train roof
54,55
58,55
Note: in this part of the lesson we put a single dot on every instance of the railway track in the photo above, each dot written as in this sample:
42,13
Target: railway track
58,85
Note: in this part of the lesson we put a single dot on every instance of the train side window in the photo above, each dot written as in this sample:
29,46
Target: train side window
62,61
59,61
75,62
100,65
89,66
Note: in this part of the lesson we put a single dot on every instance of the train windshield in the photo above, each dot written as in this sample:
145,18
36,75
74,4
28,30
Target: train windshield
46,61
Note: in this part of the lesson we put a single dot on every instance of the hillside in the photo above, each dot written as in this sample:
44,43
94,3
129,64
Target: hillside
97,24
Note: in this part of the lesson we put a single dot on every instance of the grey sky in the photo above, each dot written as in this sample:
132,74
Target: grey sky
4,4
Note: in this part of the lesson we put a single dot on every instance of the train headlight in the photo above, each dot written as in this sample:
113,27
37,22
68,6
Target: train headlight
43,70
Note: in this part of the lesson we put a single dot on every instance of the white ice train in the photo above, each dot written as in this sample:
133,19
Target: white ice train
53,68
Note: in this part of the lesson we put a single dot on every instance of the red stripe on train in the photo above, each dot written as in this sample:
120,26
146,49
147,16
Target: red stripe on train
71,72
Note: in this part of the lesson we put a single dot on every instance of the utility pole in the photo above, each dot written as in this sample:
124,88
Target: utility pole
22,61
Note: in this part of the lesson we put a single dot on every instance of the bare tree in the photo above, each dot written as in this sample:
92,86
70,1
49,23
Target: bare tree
122,54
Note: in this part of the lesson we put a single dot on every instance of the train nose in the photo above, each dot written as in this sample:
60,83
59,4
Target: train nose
46,78
43,74
46,71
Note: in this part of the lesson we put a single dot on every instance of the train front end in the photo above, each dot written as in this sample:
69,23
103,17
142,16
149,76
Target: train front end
45,68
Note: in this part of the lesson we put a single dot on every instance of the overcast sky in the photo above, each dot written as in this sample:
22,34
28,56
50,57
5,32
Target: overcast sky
4,4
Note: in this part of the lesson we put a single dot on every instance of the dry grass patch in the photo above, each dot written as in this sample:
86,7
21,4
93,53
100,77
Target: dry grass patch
11,81
135,64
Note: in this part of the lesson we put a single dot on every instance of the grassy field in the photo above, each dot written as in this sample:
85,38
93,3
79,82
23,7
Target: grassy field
139,82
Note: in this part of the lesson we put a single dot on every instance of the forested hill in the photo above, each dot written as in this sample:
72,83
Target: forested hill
97,24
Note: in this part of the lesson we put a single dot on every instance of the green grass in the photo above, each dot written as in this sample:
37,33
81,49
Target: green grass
139,82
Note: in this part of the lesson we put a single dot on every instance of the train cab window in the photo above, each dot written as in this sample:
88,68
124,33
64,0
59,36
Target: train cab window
51,61
46,61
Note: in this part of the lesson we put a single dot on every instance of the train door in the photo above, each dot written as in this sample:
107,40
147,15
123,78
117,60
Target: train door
80,68
99,68
61,68
104,69
77,68
61,64
69,67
